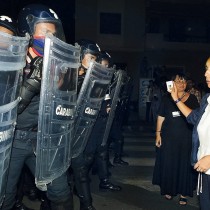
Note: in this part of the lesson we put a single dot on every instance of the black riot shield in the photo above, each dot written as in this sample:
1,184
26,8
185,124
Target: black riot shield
56,110
12,60
92,93
115,96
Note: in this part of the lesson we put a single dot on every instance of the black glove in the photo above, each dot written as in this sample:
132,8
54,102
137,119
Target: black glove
36,69
32,84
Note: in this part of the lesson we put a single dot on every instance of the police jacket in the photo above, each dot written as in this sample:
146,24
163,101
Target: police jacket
28,119
28,107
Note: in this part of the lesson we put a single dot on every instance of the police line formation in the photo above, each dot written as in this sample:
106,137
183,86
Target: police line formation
59,103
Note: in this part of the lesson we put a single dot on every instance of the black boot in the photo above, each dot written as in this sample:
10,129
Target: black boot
118,153
80,166
66,204
118,161
105,184
20,206
102,162
85,198
87,207
82,190
45,205
45,202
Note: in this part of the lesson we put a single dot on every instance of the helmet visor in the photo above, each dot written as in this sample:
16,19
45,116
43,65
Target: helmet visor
42,26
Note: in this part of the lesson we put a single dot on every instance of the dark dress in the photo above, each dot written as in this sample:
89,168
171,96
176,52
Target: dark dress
173,171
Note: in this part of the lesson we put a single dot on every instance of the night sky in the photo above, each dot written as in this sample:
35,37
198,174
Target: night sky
64,8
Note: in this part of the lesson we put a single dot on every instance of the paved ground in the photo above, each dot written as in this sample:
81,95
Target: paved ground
138,193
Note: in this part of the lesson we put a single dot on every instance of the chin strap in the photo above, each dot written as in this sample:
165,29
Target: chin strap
85,69
30,58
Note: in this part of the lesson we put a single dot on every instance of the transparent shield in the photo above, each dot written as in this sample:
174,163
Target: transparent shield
115,95
56,110
91,95
12,60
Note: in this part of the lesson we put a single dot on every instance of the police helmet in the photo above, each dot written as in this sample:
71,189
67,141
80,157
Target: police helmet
33,14
105,56
88,46
8,23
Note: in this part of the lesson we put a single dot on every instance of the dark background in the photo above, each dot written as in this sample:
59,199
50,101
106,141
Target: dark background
65,9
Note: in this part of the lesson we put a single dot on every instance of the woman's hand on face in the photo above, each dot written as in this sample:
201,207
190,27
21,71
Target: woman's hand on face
203,164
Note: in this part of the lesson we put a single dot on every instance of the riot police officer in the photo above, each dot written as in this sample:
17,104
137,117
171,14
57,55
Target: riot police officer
116,133
81,164
7,25
89,52
36,20
105,59
94,145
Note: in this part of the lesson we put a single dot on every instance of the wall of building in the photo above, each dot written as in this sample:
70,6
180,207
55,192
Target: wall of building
125,47
132,45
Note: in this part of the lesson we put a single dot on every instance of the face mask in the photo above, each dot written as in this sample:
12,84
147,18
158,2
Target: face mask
38,45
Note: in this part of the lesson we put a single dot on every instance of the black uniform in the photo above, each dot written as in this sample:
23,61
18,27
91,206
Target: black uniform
93,151
116,134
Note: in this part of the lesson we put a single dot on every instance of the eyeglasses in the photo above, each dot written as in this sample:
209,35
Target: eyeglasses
179,82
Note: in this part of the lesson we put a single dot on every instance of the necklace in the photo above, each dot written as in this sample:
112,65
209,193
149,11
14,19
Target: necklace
182,96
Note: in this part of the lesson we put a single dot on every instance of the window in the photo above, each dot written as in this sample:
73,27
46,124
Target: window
110,23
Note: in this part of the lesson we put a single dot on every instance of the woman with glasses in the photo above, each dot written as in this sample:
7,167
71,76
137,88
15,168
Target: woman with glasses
173,171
